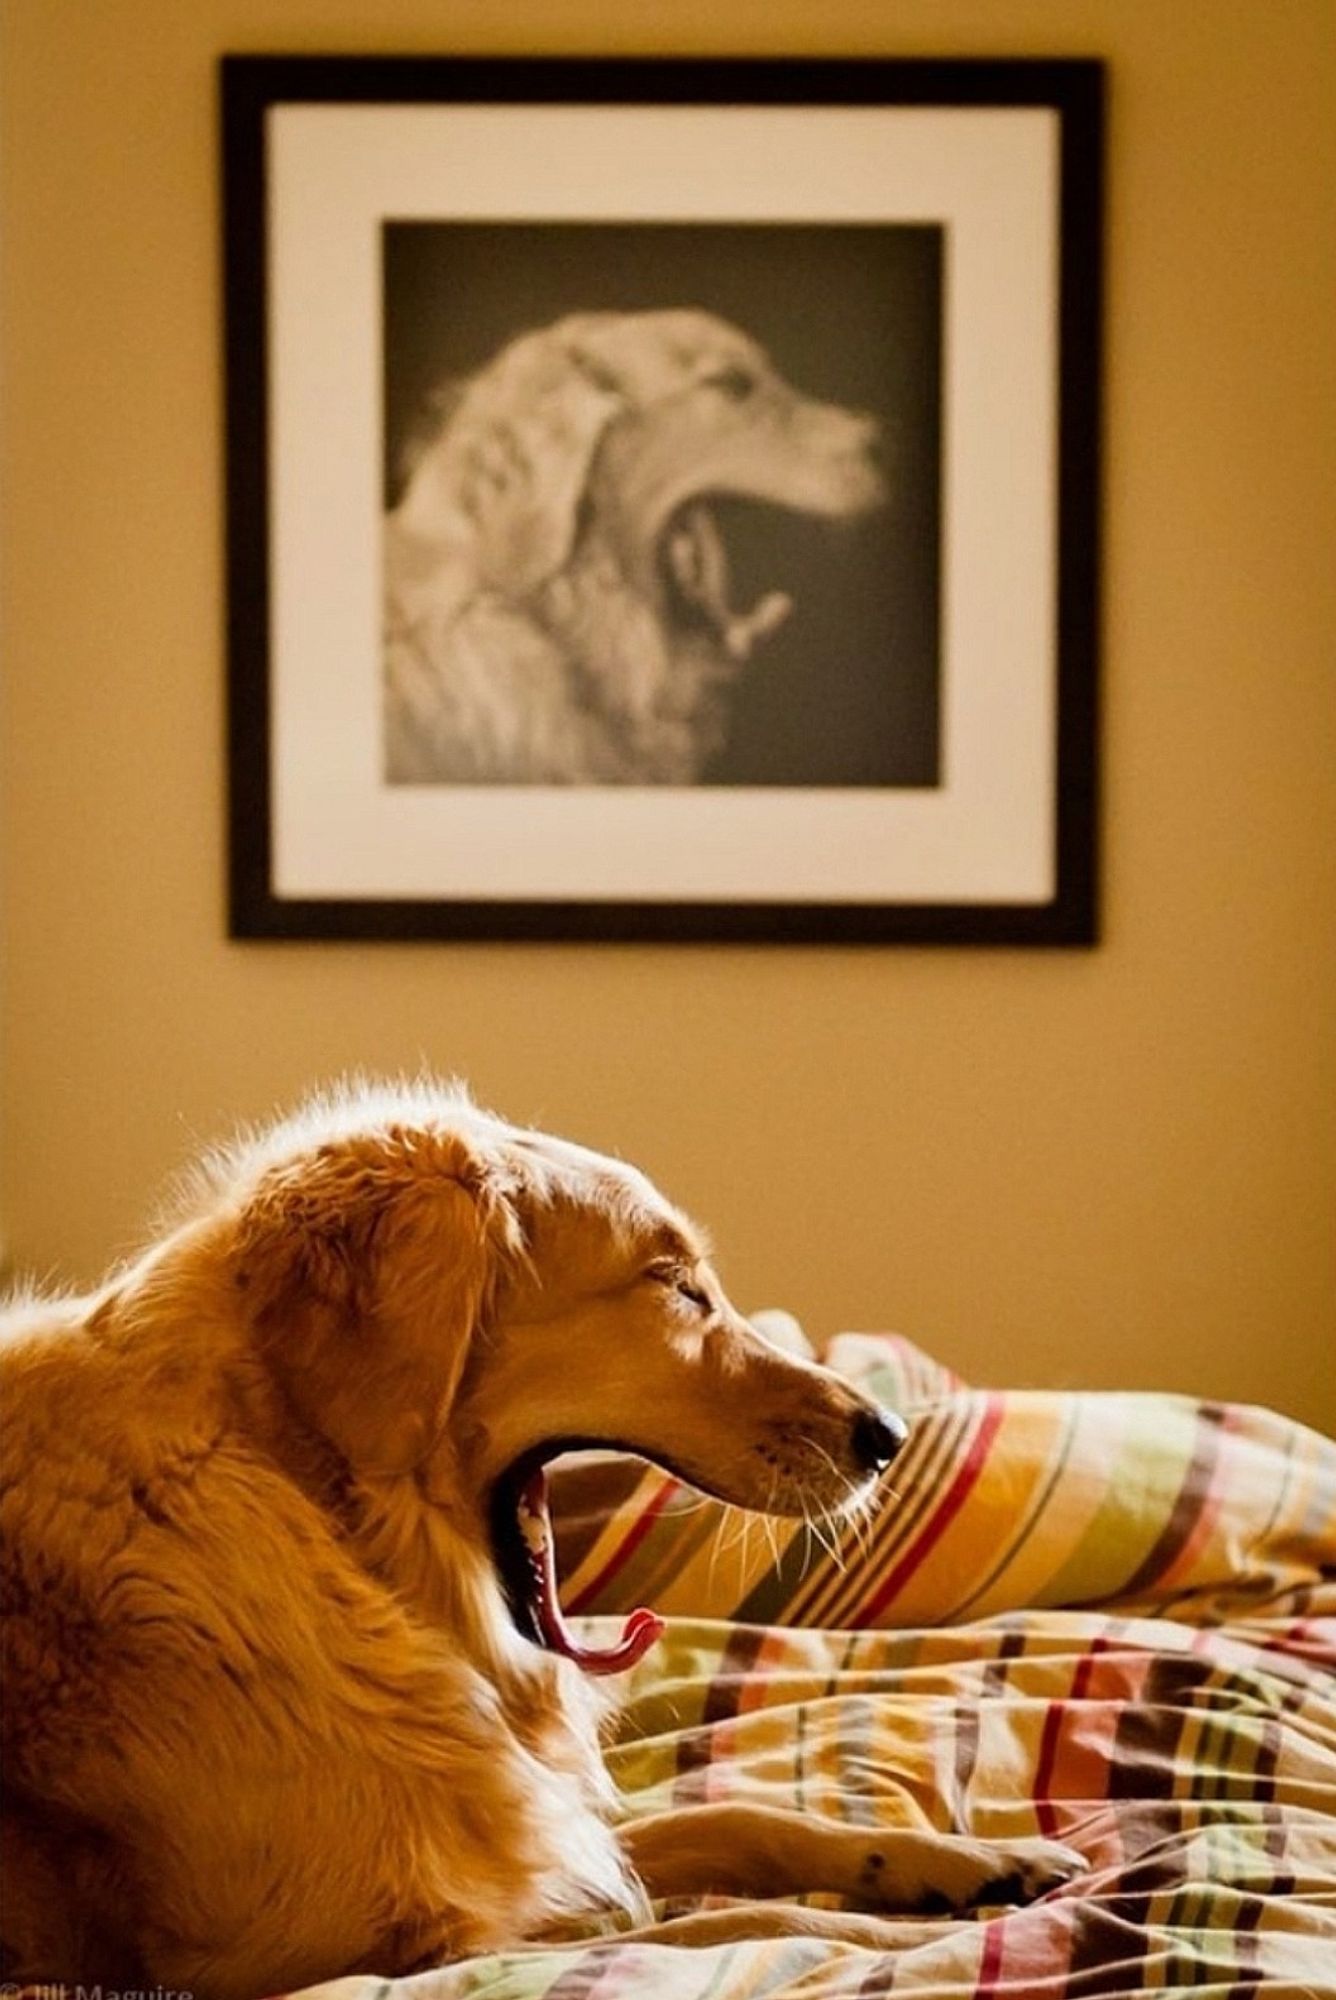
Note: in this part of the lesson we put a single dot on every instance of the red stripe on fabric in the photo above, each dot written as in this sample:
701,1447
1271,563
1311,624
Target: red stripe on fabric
990,1961
1045,1817
627,1547
1052,1731
956,1496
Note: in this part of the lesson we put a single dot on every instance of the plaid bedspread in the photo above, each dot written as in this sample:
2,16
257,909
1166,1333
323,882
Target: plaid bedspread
1107,1618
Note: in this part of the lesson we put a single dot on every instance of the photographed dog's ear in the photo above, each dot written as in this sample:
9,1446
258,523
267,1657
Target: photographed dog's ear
511,461
365,1269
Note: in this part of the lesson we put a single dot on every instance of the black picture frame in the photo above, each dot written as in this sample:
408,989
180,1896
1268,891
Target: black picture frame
272,291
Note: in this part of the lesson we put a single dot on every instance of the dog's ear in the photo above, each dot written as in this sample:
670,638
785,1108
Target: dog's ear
512,458
365,1269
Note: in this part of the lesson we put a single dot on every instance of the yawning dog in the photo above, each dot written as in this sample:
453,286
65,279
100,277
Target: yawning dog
289,1690
559,602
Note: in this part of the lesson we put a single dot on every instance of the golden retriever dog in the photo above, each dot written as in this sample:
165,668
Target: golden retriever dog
558,602
289,1690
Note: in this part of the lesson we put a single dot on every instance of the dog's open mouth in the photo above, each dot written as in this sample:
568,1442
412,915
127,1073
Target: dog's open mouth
523,1544
702,583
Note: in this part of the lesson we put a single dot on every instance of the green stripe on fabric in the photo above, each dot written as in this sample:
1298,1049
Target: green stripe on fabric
1141,1489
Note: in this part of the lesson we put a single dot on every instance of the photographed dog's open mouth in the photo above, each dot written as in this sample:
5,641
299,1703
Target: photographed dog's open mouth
524,1546
700,578
714,550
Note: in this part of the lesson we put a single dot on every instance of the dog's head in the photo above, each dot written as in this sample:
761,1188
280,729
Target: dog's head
447,1298
635,423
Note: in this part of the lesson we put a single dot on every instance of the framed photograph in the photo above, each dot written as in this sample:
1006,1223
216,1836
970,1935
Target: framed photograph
663,498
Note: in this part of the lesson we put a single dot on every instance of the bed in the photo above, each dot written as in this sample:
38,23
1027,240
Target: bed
1109,1618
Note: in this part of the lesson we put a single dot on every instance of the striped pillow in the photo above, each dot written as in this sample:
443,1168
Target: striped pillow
1003,1500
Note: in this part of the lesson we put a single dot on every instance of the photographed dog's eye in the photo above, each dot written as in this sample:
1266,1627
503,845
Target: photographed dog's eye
736,383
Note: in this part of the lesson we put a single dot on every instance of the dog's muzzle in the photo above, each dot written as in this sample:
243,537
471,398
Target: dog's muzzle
524,1542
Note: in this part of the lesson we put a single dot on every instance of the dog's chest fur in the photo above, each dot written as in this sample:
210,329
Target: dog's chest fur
543,1715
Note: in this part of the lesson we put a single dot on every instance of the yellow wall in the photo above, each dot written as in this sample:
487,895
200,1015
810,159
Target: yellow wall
1107,1168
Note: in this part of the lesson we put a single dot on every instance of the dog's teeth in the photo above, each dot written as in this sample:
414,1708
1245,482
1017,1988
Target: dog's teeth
533,1529
741,634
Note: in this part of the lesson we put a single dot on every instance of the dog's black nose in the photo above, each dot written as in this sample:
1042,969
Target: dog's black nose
878,1436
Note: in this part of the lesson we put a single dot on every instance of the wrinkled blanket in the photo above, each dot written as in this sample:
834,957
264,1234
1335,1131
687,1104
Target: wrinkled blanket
1108,1618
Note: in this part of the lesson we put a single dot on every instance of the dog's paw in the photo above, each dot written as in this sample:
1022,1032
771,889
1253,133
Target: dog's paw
1021,1870
1016,1871
948,1872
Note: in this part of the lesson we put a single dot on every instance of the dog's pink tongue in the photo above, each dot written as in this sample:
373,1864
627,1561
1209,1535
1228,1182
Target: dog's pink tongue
642,1628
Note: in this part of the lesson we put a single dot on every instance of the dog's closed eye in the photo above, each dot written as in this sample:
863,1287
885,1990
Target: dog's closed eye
680,1280
734,382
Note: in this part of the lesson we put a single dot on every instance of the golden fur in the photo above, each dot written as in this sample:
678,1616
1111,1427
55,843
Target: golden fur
558,598
269,1718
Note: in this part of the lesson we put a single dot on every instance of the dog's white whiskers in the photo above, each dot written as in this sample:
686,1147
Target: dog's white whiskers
814,1523
847,1513
831,1547
807,1545
835,1553
855,1520
744,1551
715,1543
864,1513
737,1522
695,1505
768,1522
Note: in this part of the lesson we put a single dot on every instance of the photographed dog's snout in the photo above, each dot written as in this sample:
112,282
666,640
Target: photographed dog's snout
877,1437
